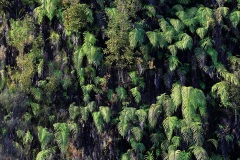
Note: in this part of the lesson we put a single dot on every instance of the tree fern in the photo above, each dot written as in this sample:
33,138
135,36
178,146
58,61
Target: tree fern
47,8
173,62
123,128
177,24
137,146
149,156
98,121
169,125
106,113
137,133
186,104
74,111
84,113
44,137
62,134
185,42
153,114
136,79
205,16
221,89
142,115
121,93
136,94
154,38
235,18
176,94
28,138
201,32
199,153
136,37
46,154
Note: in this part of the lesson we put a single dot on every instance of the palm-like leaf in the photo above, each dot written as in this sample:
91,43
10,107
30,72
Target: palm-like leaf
121,92
199,153
235,18
44,137
201,32
98,121
173,62
142,115
137,133
46,154
169,124
136,37
153,114
62,134
136,94
74,111
106,113
177,24
221,89
176,94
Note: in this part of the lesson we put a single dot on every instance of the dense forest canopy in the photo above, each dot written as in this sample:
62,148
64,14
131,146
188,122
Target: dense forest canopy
120,79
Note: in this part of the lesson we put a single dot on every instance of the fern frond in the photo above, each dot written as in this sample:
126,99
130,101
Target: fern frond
84,113
137,133
221,89
62,135
169,124
149,156
136,37
154,38
91,106
46,154
235,18
173,49
199,152
153,114
142,115
188,110
173,62
74,111
185,42
28,138
106,113
44,137
123,128
201,32
177,24
163,24
136,94
214,142
121,92
176,94
98,121
206,43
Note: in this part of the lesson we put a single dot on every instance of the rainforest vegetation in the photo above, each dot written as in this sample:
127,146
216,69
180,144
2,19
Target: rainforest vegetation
119,79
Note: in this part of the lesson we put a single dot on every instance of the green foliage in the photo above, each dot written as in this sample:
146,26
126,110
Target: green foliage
74,111
235,18
106,113
44,137
136,94
46,154
21,33
121,92
136,37
77,17
98,120
169,125
47,8
62,134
